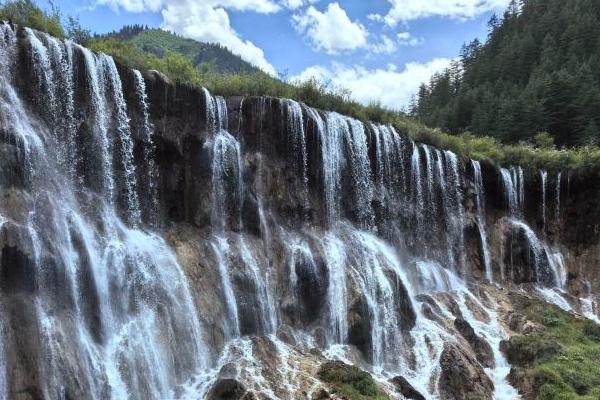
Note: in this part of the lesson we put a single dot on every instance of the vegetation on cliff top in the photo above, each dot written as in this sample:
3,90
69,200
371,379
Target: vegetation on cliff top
178,58
563,360
537,71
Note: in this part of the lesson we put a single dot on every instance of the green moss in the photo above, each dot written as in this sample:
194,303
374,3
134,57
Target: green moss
350,382
566,355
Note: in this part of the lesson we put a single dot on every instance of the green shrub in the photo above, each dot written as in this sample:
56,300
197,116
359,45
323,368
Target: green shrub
350,382
26,13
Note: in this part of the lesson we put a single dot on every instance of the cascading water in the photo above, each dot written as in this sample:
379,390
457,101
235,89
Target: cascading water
332,159
481,224
267,310
417,197
147,132
227,180
544,179
295,127
358,161
127,169
335,258
98,111
106,295
557,215
513,181
379,284
222,253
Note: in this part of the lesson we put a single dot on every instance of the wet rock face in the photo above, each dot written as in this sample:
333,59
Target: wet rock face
360,328
462,377
227,389
406,389
482,349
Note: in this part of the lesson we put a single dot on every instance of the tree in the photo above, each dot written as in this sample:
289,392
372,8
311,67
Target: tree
537,71
544,140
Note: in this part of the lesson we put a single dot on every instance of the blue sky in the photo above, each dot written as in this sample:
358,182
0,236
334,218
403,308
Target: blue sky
381,50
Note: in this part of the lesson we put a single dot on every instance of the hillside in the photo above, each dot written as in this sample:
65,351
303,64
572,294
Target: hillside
204,56
537,71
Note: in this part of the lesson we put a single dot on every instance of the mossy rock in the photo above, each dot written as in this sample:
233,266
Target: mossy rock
350,382
562,361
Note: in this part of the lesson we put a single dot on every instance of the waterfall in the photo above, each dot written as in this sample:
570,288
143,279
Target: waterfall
227,179
221,249
377,284
300,255
556,273
457,213
544,178
267,310
557,214
134,214
106,294
430,197
417,200
358,160
96,78
216,112
147,133
56,56
513,182
390,178
297,137
494,334
374,265
481,224
335,258
348,134
332,159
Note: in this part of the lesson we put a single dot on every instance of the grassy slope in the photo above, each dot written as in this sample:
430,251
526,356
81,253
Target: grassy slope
566,355
203,56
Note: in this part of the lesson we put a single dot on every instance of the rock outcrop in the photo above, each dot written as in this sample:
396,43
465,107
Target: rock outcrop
462,377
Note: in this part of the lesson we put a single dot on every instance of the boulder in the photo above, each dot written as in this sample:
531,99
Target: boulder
227,389
406,389
462,377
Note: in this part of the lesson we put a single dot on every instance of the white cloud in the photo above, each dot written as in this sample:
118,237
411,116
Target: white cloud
393,87
260,6
294,4
406,39
331,31
407,10
133,5
206,21
385,46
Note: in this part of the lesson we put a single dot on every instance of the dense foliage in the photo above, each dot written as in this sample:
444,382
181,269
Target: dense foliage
26,13
538,71
562,361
